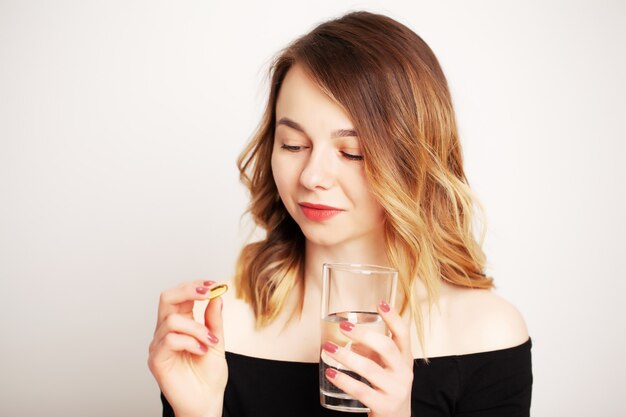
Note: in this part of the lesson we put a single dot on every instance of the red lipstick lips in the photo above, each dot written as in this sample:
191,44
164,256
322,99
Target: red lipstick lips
319,212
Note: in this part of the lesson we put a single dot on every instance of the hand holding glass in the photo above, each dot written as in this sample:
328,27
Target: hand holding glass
351,292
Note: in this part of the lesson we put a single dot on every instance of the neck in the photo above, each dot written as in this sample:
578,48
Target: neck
364,251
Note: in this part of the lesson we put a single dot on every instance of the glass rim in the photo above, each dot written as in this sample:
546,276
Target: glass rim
360,268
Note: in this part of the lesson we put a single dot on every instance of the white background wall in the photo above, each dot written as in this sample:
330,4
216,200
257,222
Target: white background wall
120,123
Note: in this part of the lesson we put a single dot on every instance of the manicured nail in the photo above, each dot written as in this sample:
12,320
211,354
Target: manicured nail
331,373
330,347
384,307
346,325
203,348
201,290
212,338
208,283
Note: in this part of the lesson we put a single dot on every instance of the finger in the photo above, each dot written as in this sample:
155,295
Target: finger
173,343
356,389
180,299
374,345
213,320
399,329
364,366
176,323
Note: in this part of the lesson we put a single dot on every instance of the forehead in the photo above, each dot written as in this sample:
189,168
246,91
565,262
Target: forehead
301,99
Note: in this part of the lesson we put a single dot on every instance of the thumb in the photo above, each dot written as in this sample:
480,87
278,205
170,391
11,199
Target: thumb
213,320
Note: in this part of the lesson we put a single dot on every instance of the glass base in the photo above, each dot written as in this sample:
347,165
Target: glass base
342,402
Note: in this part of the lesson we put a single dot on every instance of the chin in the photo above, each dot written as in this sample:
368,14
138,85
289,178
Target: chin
323,239
333,237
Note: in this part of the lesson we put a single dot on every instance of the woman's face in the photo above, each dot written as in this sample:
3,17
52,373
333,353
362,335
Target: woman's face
318,168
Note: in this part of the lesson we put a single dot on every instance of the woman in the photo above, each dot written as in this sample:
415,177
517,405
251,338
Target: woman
357,160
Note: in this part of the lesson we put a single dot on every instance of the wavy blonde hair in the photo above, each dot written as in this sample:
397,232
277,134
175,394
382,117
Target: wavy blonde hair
389,82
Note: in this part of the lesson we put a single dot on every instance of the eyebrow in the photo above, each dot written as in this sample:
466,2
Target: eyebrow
341,133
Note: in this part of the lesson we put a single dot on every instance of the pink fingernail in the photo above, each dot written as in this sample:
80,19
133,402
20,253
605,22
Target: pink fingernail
346,325
384,307
203,348
212,338
208,283
330,347
201,290
331,373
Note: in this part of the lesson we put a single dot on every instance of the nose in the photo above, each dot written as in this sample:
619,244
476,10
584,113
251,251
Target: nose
319,171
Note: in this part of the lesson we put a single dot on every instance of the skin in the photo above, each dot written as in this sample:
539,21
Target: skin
186,357
314,168
310,165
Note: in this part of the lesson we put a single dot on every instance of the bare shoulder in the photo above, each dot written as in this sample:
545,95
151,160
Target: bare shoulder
485,321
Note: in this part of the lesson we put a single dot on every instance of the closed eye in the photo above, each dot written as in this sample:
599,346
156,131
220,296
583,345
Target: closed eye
352,157
297,148
292,148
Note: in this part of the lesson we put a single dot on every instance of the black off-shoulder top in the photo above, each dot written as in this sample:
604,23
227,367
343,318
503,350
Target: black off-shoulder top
487,384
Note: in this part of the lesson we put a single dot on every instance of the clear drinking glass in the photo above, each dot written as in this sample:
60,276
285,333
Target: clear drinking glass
351,292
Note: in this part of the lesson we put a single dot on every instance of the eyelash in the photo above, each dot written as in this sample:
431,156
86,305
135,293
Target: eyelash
352,157
348,156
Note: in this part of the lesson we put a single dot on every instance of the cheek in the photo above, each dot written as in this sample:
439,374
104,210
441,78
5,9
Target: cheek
374,208
282,174
360,192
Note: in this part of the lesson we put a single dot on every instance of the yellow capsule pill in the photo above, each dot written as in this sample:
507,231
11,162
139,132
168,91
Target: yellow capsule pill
217,291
